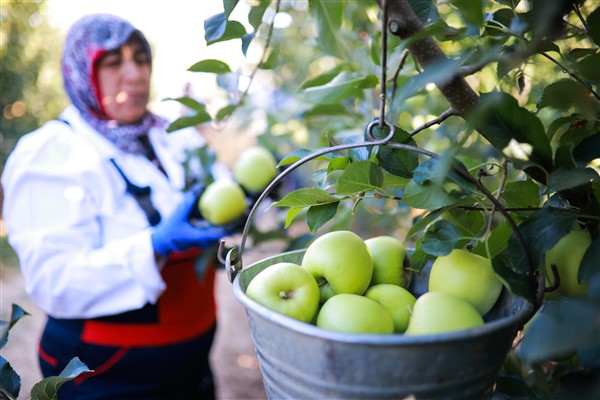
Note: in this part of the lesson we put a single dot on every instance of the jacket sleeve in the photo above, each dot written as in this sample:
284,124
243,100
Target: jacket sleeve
53,214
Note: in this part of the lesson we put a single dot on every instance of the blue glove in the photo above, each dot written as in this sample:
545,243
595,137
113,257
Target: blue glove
176,233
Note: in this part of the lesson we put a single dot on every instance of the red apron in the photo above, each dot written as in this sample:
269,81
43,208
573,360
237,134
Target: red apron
184,311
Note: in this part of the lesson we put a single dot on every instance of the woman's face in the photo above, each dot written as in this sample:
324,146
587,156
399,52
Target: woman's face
124,82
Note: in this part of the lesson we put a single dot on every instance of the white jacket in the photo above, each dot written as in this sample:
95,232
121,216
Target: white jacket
83,243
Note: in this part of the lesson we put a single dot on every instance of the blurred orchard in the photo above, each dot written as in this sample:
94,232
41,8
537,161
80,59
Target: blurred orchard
496,103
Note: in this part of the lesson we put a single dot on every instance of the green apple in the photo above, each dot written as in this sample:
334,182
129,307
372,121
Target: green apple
288,289
389,255
567,255
255,168
397,300
467,275
222,201
352,313
440,312
341,262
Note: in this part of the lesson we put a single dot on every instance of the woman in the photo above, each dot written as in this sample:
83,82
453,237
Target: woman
95,209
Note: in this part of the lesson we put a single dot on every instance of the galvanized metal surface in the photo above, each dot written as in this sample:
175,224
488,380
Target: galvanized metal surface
301,361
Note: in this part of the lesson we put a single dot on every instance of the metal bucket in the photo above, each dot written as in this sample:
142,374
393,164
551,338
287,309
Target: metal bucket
301,361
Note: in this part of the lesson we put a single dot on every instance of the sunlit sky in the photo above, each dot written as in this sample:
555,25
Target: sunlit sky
175,30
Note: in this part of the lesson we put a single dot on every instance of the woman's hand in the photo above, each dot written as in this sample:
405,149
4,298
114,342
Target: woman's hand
176,233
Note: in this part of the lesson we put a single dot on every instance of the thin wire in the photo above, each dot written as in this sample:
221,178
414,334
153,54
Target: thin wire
382,95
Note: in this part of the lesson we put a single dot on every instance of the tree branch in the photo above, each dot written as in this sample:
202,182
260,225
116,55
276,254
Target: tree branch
443,116
404,23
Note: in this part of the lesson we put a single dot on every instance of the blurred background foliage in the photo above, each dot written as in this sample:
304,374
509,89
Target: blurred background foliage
30,80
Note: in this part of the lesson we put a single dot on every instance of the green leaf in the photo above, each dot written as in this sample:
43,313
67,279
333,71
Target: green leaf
328,15
343,86
471,10
425,10
540,232
325,110
214,27
213,66
577,131
426,196
299,154
317,216
291,214
587,150
322,79
588,269
47,388
338,163
588,67
558,123
394,182
256,13
187,121
306,197
439,171
563,157
5,326
218,29
246,40
207,157
521,194
502,120
559,328
228,6
423,222
578,53
468,222
440,238
271,61
593,21
396,161
418,258
10,381
563,179
357,153
518,283
190,103
360,176
225,112
496,242
565,94
495,35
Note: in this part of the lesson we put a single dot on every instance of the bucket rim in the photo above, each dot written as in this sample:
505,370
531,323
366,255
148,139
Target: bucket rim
488,328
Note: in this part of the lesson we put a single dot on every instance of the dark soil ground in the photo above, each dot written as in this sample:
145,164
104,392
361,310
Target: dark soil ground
233,357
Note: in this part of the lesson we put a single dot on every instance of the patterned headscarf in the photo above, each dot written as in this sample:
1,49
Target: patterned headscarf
88,40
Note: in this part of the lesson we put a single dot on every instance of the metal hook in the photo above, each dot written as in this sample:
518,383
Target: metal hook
383,94
555,280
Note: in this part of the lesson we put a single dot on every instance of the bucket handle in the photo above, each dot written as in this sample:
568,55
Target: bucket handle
233,259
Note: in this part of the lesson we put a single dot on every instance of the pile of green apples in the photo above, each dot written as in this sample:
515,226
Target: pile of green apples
347,284
224,200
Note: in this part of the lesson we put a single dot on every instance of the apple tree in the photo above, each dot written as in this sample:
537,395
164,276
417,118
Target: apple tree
467,124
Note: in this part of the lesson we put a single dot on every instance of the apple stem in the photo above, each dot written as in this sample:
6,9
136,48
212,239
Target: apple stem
286,295
322,282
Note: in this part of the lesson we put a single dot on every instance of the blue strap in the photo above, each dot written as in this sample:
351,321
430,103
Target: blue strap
141,196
